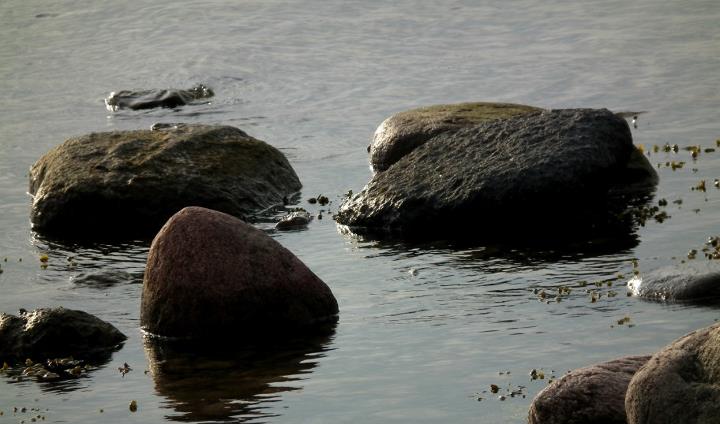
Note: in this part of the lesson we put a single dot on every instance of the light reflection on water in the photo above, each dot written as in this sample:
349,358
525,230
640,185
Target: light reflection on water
423,328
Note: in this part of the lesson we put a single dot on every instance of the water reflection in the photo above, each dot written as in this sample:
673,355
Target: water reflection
226,384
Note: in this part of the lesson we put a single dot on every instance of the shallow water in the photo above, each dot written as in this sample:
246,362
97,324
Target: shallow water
424,329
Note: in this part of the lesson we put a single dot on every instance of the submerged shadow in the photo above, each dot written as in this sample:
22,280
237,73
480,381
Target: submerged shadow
225,383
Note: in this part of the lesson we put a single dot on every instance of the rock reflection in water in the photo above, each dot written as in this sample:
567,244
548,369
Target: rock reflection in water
226,383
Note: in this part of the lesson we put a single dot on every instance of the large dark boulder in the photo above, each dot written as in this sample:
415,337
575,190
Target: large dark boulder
55,333
211,276
694,284
399,134
560,171
590,395
128,183
680,384
149,99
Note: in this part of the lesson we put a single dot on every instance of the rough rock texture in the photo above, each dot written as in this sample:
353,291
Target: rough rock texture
54,333
590,395
680,384
551,171
698,284
401,133
128,183
210,275
149,99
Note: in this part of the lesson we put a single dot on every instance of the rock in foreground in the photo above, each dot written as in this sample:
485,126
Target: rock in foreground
680,384
590,395
128,183
698,284
399,134
210,275
55,333
149,99
556,171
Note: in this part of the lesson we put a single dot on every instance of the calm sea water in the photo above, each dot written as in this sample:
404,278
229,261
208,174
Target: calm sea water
424,329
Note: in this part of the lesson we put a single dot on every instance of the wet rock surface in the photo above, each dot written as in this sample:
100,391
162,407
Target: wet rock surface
399,134
294,221
590,395
128,183
698,284
212,276
55,333
149,99
560,171
680,384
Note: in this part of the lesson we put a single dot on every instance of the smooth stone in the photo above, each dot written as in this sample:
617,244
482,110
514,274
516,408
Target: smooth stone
590,395
564,172
680,384
293,221
126,184
149,99
55,333
399,134
697,282
211,276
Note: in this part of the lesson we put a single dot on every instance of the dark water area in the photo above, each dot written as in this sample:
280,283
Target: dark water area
425,327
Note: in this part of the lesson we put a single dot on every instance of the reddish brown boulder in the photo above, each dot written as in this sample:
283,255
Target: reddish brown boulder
590,395
211,275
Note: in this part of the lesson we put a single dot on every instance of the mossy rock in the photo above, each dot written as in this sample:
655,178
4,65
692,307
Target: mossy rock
128,183
399,134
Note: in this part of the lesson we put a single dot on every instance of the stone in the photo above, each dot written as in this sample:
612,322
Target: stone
680,384
212,276
590,395
294,221
692,283
55,333
562,171
126,184
399,134
149,99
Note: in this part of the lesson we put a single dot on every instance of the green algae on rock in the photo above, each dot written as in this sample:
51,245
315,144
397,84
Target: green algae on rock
399,134
128,183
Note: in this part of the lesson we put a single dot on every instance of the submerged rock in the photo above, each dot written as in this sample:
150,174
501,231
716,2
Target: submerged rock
128,183
149,99
699,284
211,276
590,395
294,221
399,134
55,333
680,384
559,172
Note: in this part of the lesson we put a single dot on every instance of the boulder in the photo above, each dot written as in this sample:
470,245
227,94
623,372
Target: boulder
211,276
149,99
590,395
55,333
401,133
128,183
697,283
559,172
680,384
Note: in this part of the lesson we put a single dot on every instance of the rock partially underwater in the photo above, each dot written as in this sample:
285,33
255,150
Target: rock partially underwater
560,172
210,276
55,333
680,384
128,183
694,284
149,99
590,395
